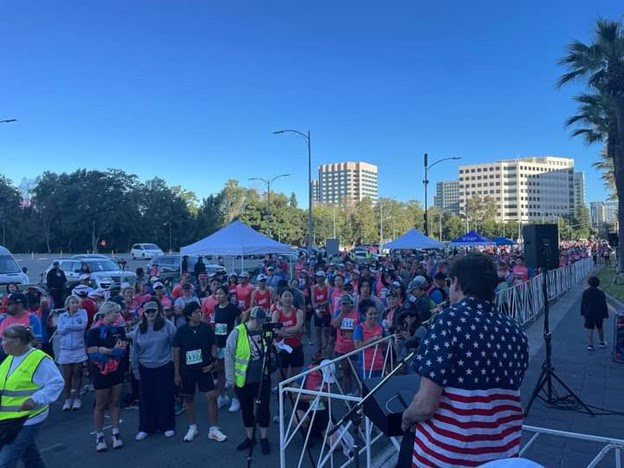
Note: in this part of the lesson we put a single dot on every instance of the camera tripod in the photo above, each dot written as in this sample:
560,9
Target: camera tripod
269,355
545,381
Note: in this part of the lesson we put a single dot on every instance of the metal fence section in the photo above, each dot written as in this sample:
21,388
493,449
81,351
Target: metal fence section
296,426
615,445
526,300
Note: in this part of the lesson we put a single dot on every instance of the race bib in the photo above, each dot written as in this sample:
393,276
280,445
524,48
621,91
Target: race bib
193,357
241,304
347,324
221,329
212,318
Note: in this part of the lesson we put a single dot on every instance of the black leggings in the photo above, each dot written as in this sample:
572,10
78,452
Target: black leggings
246,395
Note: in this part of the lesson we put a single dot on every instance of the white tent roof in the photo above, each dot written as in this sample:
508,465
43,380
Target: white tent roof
414,239
236,239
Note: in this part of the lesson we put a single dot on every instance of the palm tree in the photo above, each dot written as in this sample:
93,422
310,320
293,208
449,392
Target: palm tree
601,65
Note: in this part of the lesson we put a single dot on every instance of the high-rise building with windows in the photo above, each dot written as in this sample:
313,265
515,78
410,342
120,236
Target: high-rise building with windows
603,212
347,182
316,195
447,196
579,189
523,189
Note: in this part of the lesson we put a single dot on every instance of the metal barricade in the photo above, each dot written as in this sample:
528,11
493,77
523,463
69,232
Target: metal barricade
610,444
525,301
336,400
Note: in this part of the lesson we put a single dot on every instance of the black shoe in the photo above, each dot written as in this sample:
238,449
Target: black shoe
265,448
245,444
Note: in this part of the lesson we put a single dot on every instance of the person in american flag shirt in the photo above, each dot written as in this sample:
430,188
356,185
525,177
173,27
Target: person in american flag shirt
472,360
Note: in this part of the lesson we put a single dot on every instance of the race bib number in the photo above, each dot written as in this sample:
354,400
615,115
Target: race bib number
221,329
212,318
193,357
241,304
347,324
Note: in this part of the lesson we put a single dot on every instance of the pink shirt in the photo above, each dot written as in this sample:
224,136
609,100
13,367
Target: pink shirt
10,320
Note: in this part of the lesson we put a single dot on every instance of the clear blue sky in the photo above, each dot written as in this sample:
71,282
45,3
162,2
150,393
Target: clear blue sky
191,90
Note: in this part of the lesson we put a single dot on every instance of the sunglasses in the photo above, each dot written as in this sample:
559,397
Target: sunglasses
150,311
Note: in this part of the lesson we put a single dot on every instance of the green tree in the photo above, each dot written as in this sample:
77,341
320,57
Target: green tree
9,212
600,65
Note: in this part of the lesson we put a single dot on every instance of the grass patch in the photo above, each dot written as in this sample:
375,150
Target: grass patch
606,279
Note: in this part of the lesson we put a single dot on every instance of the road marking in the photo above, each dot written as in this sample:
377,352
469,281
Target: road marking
44,258
106,427
55,447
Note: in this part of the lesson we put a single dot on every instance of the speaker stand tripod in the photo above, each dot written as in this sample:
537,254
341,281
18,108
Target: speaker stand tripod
544,389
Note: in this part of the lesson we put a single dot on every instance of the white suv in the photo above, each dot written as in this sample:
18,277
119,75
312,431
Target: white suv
145,251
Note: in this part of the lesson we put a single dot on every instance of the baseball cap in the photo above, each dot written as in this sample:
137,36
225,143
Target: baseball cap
84,276
320,273
55,262
270,267
158,284
262,277
232,275
440,276
346,299
153,279
18,298
396,284
258,313
244,274
81,290
417,283
151,305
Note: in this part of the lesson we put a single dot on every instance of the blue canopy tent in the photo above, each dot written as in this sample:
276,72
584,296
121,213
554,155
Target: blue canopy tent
503,241
414,239
471,239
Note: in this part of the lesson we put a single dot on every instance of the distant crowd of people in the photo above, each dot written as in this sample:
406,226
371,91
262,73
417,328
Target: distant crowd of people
205,332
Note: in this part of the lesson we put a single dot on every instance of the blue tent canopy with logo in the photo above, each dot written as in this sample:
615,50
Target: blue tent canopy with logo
504,241
414,239
471,239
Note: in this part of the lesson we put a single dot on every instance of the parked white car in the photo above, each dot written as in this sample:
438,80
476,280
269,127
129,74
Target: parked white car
145,251
10,271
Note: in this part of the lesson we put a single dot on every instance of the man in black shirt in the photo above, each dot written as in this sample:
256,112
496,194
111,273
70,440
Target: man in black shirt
55,282
194,356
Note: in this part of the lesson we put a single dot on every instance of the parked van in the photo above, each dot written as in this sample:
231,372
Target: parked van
10,271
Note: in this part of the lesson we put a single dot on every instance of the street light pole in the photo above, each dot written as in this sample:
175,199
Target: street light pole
426,183
309,145
268,183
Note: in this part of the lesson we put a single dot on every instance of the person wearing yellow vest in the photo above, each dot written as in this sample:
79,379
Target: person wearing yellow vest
29,382
244,352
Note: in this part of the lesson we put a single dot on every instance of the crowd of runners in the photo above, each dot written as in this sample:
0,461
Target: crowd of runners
204,332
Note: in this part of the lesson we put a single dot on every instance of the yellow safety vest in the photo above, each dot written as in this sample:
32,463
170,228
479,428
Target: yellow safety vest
19,386
241,357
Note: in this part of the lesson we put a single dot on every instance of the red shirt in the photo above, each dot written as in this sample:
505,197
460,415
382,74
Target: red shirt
208,308
289,321
263,298
321,295
243,295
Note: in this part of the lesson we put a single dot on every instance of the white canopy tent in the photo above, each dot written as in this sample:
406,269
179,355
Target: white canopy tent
236,240
414,239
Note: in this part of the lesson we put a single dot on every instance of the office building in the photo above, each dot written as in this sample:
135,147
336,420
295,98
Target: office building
347,182
316,196
523,189
603,212
447,196
579,189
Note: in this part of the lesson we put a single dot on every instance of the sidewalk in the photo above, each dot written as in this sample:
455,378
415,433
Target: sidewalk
593,375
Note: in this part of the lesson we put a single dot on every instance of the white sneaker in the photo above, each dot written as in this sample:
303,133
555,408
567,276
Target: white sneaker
235,406
223,401
140,435
170,433
602,344
216,434
77,404
117,442
100,444
191,434
67,405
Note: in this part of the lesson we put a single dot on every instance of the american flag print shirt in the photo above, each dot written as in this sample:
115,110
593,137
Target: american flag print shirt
479,357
